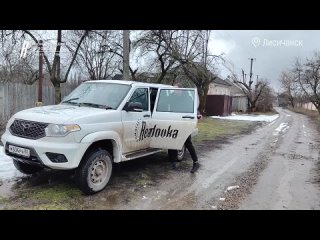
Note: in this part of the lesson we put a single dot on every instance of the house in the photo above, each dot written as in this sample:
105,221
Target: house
239,99
219,101
219,87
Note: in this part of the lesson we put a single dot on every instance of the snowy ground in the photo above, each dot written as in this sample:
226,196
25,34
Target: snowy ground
245,117
7,169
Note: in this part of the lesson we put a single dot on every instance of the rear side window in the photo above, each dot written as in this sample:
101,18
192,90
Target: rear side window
176,100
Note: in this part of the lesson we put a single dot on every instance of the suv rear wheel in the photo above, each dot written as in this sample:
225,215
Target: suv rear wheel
94,171
177,155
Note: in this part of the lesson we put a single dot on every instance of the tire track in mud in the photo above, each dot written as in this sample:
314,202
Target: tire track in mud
291,150
246,181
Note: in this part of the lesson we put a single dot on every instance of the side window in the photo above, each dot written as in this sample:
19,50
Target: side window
141,95
176,100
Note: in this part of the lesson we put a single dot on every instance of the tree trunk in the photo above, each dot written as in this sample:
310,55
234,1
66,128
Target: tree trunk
203,98
252,107
292,104
57,93
202,103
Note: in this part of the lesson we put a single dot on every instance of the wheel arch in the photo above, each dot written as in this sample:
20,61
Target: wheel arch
109,141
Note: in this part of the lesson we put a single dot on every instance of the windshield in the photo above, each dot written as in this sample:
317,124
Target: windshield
107,95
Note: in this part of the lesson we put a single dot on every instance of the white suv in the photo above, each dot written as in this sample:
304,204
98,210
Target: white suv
99,123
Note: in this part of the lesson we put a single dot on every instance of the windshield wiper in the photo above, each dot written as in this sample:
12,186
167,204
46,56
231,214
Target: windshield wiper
70,100
96,105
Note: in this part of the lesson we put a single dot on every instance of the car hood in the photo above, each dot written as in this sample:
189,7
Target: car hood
58,114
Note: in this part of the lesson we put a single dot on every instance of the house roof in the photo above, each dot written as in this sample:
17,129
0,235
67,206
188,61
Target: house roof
235,90
218,80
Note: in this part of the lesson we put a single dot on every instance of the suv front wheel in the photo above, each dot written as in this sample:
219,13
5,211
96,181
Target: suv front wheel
94,171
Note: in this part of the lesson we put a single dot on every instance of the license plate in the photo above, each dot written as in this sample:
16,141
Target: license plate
19,151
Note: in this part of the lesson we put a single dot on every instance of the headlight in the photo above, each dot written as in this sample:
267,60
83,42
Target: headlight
60,130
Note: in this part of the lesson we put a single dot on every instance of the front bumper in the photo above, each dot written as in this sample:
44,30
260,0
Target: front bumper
73,151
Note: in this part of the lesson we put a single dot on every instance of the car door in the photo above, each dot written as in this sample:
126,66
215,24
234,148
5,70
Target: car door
135,123
174,117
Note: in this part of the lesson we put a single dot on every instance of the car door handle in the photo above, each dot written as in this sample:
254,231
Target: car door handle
147,115
191,117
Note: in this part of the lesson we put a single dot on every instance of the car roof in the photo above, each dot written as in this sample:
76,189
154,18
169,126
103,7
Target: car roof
133,83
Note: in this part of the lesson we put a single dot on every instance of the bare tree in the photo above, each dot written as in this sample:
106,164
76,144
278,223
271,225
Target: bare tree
94,58
191,50
116,46
15,68
266,99
308,77
252,89
157,44
289,86
54,67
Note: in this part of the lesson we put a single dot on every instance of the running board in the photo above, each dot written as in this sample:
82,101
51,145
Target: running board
141,153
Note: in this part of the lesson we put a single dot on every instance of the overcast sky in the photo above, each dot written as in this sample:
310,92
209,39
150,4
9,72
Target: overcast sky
240,45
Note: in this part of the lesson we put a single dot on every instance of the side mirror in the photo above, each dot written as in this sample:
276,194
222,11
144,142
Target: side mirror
133,107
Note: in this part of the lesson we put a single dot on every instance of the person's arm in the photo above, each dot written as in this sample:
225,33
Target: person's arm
199,115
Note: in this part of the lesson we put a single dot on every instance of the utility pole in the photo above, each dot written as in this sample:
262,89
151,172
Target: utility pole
251,63
40,45
126,50
250,80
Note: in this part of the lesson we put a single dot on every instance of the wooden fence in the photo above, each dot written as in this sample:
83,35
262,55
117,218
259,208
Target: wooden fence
15,97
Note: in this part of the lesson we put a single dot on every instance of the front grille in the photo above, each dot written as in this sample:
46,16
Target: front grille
28,129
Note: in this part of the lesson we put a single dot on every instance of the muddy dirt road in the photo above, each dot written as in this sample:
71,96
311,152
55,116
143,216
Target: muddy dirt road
275,166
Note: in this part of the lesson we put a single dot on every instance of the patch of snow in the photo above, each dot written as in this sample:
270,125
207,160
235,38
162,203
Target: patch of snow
246,117
7,169
271,123
303,126
214,207
232,187
222,199
282,128
144,197
288,115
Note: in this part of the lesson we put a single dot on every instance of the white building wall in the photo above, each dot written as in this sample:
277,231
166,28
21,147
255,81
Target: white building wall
218,90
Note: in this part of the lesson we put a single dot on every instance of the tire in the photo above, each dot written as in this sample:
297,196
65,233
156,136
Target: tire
26,168
177,155
94,172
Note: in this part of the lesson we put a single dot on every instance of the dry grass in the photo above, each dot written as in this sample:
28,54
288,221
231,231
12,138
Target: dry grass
210,128
313,114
